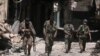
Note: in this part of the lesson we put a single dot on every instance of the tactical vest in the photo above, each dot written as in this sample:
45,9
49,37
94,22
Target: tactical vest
82,31
49,28
69,28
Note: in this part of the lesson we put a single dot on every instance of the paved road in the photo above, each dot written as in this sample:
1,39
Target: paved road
58,49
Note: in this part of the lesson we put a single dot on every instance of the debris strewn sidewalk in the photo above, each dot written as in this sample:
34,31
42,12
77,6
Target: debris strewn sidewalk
58,49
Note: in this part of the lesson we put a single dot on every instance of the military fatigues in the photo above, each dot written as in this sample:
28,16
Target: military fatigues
83,32
49,34
28,36
68,29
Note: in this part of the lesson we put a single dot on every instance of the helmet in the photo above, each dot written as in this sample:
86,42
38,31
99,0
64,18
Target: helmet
85,20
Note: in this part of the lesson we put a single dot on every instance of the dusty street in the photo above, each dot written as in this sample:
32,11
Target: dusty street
58,49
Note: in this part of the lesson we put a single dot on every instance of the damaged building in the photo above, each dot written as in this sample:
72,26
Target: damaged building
61,10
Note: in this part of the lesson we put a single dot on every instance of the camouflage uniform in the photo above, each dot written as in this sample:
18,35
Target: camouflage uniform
83,32
28,35
68,29
49,33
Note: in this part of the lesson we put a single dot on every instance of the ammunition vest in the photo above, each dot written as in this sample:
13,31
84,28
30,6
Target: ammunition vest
69,28
50,29
83,31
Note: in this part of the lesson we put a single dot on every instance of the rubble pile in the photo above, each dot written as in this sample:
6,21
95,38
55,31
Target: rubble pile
5,43
16,43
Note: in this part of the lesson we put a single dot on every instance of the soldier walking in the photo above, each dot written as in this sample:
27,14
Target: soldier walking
50,32
68,30
83,33
28,35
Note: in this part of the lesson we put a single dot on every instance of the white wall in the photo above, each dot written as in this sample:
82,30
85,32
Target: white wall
3,9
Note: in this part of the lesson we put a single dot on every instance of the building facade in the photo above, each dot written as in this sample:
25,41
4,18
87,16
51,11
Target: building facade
61,10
